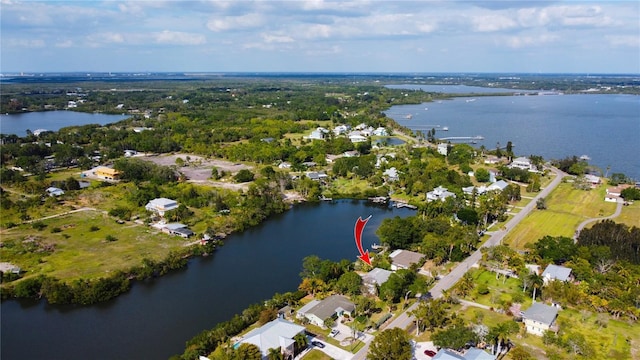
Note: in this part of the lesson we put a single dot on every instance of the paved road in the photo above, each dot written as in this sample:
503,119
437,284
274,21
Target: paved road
584,223
404,320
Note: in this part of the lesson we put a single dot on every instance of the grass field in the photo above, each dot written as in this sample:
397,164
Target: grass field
566,209
81,248
316,355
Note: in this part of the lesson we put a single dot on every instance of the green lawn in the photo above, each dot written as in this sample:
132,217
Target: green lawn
316,355
80,246
566,209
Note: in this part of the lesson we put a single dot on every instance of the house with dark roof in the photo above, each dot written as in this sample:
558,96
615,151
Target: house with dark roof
319,311
540,318
403,259
278,333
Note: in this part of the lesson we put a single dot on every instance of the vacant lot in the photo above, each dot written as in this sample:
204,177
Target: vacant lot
196,167
87,244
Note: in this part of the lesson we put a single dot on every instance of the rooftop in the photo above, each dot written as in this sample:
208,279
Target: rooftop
542,313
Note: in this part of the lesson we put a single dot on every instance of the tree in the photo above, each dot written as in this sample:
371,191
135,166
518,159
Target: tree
247,351
349,283
499,334
520,353
454,337
243,175
391,344
541,204
482,175
431,314
275,354
557,249
535,281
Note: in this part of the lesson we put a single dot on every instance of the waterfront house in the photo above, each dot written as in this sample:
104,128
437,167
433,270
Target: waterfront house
614,193
403,259
380,132
499,185
555,272
375,278
439,193
54,191
355,138
161,205
593,180
522,162
540,318
319,311
278,333
443,149
106,173
177,229
391,174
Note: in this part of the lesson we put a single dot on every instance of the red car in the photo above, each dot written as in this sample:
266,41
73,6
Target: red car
430,353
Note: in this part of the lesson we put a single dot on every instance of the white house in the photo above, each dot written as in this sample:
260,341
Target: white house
319,311
161,205
555,272
443,148
540,318
177,229
54,191
439,193
356,138
522,162
499,185
391,174
341,129
380,132
278,333
316,135
375,278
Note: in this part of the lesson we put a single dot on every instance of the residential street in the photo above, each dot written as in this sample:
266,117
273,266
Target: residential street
446,282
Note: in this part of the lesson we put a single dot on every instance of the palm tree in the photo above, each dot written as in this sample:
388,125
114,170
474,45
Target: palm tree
275,354
301,342
536,281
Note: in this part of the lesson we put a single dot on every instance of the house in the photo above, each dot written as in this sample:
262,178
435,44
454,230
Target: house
540,318
439,193
614,193
403,259
491,159
319,311
356,138
499,185
316,176
161,205
278,333
391,174
592,180
284,165
380,132
375,278
522,162
555,272
6,268
106,173
443,149
177,229
471,354
54,191
341,129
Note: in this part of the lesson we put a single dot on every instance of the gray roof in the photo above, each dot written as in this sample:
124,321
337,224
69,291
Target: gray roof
405,258
377,276
542,313
273,335
555,272
310,305
174,226
329,306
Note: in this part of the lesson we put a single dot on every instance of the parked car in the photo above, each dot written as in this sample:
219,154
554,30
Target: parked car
334,332
317,344
430,353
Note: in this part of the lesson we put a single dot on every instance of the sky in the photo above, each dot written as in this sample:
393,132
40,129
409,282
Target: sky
360,36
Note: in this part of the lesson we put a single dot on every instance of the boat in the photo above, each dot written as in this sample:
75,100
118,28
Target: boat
585,158
445,129
470,100
409,116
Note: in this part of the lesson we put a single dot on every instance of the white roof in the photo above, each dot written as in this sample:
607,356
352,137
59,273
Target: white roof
162,202
273,334
555,272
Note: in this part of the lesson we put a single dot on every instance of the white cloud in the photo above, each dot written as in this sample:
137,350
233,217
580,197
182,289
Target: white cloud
269,38
492,22
64,44
524,41
247,21
624,41
25,43
179,38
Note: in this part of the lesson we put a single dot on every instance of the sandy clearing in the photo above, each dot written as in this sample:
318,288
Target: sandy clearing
199,168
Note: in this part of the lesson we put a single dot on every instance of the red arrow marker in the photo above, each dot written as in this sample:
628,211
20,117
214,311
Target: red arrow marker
357,234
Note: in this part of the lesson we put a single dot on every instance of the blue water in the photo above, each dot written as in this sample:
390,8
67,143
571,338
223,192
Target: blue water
604,127
52,120
155,318
456,89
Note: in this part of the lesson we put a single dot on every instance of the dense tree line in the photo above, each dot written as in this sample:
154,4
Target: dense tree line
623,241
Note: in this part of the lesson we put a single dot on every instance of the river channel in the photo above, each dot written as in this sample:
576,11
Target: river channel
155,318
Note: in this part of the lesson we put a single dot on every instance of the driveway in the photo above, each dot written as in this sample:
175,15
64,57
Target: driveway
421,347
333,351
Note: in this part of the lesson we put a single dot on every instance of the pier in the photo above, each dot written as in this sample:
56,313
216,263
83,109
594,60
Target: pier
462,138
400,204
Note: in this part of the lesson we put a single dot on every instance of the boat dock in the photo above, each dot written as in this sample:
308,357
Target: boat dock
379,200
462,138
400,204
